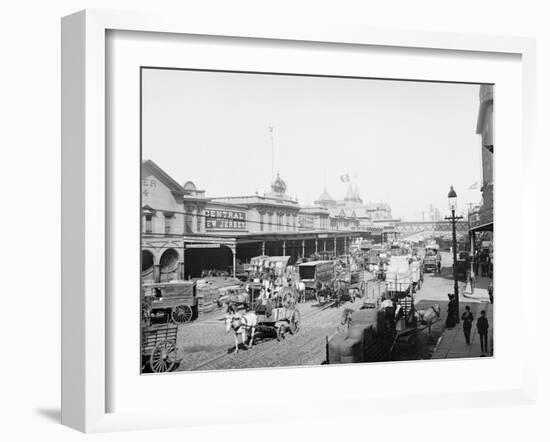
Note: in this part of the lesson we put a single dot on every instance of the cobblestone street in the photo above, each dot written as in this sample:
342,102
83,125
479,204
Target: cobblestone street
204,345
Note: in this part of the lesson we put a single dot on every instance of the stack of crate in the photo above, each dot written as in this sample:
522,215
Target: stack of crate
207,295
209,291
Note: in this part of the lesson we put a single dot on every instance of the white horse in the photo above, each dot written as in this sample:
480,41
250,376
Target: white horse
301,289
428,316
242,325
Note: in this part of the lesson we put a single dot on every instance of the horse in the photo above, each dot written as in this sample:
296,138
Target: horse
428,316
300,287
242,325
287,297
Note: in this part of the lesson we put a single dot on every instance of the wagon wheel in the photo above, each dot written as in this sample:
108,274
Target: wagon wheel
294,325
163,357
181,314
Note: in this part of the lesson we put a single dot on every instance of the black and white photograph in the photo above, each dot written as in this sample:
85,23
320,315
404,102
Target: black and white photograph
302,220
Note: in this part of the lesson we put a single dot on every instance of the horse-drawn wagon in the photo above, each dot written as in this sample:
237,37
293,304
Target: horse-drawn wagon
256,311
279,313
399,277
317,276
158,347
174,300
370,335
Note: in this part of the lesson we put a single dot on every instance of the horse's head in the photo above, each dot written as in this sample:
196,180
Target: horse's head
437,309
232,321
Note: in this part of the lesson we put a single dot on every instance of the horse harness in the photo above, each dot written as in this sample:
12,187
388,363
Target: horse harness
241,323
435,311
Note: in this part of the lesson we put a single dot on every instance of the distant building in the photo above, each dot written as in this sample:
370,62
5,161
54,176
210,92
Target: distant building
272,212
434,214
351,211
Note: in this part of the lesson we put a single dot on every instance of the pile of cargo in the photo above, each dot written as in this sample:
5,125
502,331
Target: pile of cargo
399,277
210,289
363,341
416,272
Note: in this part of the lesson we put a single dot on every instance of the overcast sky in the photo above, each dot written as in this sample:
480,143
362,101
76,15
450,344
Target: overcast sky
403,143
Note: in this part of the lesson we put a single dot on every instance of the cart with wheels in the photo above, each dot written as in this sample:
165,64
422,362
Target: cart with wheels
283,314
175,301
158,347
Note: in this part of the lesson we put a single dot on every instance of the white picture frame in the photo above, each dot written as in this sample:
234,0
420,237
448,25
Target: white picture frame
86,216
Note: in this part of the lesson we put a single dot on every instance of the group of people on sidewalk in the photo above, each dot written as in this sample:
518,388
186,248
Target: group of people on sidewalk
482,325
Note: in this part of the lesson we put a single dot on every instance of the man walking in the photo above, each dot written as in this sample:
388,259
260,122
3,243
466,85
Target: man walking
467,320
482,329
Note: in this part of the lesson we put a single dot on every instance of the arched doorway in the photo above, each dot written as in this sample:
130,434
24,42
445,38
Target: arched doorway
168,265
198,260
147,261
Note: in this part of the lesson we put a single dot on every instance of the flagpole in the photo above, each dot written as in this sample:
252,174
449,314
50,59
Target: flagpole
272,153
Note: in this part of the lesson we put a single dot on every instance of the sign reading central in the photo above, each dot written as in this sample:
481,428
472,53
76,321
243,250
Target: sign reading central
225,220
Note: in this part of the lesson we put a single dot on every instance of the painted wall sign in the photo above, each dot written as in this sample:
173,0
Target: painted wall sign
225,219
306,221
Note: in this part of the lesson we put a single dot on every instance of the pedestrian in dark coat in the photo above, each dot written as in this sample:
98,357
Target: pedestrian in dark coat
467,320
450,322
483,330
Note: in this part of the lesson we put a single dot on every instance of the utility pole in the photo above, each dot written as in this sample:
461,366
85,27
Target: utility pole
453,219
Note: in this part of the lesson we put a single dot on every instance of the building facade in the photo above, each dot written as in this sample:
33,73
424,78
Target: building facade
481,217
184,232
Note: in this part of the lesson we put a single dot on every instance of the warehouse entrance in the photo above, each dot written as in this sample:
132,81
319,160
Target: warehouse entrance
201,259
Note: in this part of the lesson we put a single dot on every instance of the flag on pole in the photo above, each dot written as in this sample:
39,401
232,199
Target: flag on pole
344,178
473,186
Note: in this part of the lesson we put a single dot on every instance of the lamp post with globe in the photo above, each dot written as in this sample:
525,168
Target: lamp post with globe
452,197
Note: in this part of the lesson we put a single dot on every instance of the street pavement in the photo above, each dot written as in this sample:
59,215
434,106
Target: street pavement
204,345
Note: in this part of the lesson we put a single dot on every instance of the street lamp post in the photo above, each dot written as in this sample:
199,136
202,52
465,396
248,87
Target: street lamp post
453,218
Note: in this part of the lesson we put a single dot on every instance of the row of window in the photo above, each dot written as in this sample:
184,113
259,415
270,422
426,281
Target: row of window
168,223
279,225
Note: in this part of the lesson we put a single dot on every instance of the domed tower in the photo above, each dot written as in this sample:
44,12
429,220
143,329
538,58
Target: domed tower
278,187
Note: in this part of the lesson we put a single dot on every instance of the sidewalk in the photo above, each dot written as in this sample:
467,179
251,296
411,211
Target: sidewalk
452,343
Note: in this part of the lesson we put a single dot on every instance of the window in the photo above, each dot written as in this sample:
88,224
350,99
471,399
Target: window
148,223
261,222
198,218
188,223
168,223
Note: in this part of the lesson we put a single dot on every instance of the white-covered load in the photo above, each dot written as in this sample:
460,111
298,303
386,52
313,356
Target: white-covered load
399,276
